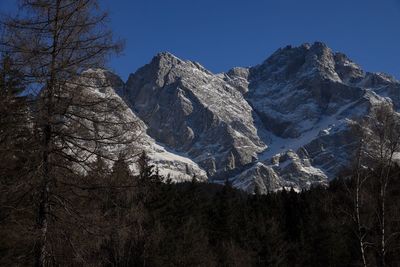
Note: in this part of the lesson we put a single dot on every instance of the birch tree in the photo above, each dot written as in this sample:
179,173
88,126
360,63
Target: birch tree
373,175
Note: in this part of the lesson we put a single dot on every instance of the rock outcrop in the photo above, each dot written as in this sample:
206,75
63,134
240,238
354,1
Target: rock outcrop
283,123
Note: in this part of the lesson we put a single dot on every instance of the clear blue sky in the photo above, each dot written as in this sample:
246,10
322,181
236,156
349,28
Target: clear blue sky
221,34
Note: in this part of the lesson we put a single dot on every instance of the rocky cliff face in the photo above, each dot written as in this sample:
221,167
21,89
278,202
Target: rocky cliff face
307,98
283,123
195,112
101,87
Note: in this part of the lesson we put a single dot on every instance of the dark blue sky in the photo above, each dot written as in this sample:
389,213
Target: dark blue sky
221,34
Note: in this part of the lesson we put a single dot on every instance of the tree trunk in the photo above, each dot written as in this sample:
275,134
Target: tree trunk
44,207
360,234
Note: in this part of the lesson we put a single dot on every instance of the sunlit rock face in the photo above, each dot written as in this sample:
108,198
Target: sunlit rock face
195,112
285,123
103,87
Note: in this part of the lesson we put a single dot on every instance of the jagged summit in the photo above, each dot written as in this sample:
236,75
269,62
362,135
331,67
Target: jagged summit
166,58
306,60
283,123
166,54
196,112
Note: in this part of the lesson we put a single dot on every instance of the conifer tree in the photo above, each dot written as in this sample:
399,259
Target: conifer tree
52,43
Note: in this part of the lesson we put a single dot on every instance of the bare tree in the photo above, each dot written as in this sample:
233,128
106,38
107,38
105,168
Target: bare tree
59,46
356,190
383,133
373,174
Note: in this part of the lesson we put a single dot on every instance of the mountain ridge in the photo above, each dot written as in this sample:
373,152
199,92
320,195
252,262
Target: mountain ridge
282,123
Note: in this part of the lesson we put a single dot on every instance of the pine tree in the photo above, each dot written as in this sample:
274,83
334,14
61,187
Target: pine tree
146,170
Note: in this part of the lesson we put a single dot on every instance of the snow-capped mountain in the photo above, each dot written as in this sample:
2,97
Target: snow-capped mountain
102,87
193,111
307,98
283,123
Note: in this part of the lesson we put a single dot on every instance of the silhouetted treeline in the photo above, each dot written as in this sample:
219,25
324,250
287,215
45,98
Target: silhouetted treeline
125,220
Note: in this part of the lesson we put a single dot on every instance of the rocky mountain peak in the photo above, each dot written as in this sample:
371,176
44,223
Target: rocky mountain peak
315,60
306,60
191,110
283,123
318,47
166,59
319,60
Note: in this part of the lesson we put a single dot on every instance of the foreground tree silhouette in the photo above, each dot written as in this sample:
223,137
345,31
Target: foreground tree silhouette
374,174
16,160
383,144
52,43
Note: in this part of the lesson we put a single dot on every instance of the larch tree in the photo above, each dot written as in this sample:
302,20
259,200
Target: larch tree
59,47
